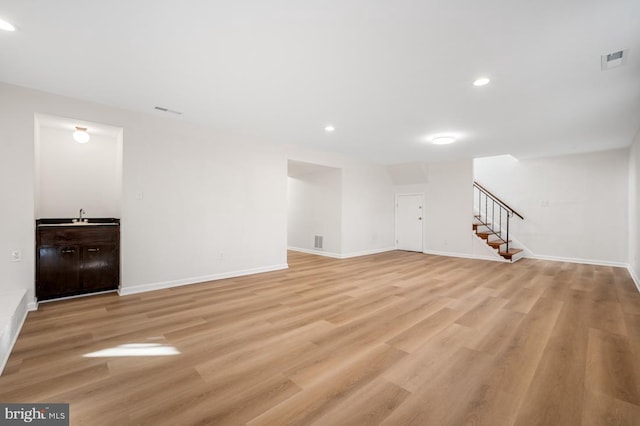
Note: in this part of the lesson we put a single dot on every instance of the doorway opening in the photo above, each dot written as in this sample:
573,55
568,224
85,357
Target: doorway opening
314,210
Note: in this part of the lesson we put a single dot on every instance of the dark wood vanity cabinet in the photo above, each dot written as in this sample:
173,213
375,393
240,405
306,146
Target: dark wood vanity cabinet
73,260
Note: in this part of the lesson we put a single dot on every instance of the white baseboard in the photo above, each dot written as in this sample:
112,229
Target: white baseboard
577,260
316,252
5,356
366,252
78,296
634,277
465,255
14,331
341,256
196,280
32,306
491,258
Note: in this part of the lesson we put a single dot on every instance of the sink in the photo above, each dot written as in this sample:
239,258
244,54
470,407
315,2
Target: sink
110,221
79,224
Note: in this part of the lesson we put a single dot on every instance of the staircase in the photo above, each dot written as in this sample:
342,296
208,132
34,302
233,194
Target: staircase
491,222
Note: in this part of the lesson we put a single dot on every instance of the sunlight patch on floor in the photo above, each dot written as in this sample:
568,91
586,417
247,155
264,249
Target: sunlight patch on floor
135,349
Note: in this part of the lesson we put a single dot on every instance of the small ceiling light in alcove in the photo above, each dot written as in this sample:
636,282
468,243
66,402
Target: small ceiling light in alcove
329,129
443,140
81,135
4,25
481,82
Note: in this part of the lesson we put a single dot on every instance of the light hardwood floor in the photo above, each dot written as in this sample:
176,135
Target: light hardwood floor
396,339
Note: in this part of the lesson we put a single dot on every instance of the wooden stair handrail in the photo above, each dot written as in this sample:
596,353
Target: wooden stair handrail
505,205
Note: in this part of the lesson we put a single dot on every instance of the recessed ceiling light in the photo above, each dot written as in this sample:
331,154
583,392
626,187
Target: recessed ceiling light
4,25
443,140
481,82
329,128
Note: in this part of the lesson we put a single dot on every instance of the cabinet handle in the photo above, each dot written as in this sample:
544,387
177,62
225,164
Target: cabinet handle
94,249
69,251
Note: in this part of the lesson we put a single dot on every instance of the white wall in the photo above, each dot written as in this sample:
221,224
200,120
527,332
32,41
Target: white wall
13,312
634,209
367,210
73,176
450,207
367,201
17,222
315,208
448,210
575,206
214,204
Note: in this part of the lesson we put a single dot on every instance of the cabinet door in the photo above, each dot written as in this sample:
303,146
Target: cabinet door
58,271
100,270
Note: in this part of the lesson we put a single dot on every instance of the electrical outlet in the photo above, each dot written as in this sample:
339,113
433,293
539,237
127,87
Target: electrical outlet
16,256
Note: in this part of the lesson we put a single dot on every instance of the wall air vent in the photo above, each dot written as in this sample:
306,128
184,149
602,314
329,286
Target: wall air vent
317,242
613,59
170,111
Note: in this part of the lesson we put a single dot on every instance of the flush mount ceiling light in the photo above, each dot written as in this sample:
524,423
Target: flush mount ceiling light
481,82
81,135
443,140
4,25
329,129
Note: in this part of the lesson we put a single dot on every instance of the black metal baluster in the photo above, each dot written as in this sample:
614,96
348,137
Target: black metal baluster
493,216
486,207
507,232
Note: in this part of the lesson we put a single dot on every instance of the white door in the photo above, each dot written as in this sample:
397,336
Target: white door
409,215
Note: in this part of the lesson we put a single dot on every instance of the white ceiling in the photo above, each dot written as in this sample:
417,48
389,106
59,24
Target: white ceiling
386,74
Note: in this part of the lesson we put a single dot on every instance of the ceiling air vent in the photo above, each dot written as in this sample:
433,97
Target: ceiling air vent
170,111
614,59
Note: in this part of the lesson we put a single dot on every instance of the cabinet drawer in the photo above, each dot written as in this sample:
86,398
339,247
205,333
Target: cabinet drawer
71,236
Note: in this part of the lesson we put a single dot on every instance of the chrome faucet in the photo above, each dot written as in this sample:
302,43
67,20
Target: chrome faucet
80,213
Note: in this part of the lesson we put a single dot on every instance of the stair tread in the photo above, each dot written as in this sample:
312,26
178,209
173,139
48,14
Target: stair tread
486,233
497,243
511,251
